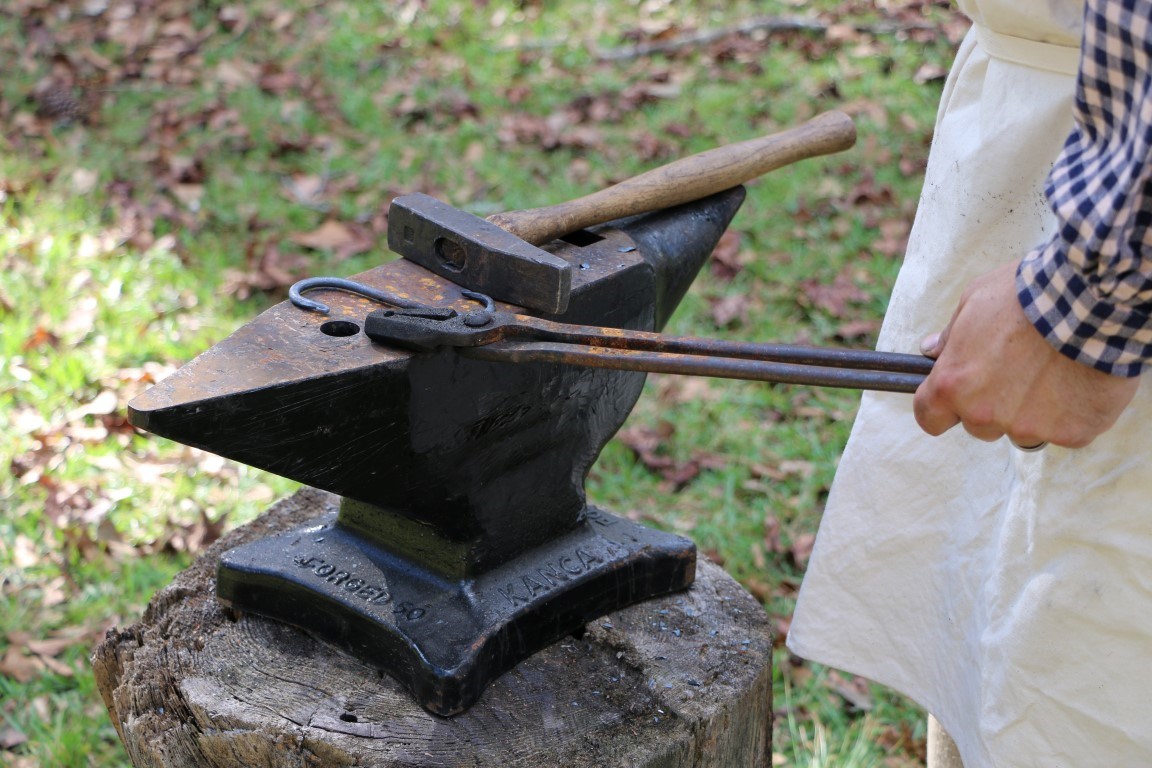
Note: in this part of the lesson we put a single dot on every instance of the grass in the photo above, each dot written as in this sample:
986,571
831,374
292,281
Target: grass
165,207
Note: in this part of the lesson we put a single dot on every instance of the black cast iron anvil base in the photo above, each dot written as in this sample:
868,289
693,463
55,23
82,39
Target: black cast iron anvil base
464,541
446,640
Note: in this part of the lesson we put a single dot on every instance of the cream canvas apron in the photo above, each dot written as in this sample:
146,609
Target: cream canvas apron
1008,593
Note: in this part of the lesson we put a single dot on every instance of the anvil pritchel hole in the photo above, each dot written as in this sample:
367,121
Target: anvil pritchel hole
340,328
451,254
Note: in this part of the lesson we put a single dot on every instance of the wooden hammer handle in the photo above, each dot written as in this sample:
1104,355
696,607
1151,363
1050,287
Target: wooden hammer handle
683,181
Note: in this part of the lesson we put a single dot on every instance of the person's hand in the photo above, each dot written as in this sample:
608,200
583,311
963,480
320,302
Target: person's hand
997,375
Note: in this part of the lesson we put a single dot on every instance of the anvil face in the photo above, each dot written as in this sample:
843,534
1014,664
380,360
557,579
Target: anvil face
455,472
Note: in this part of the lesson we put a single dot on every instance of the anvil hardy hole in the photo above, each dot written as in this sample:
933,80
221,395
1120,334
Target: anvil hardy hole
581,238
450,253
340,328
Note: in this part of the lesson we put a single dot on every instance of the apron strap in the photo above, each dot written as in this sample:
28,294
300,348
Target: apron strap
1052,57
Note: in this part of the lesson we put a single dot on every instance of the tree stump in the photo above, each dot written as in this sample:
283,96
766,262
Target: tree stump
683,680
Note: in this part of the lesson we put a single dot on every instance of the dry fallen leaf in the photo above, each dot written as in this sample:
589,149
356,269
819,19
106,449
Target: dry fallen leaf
268,270
772,534
893,237
19,666
104,403
647,442
857,330
40,337
56,666
727,259
929,73
833,298
24,553
236,73
342,239
801,549
305,189
854,690
673,390
730,310
81,319
783,469
11,737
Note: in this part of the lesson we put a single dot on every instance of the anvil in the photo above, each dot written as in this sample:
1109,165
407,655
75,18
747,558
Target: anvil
464,541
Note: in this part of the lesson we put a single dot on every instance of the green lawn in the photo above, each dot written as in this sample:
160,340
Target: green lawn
168,168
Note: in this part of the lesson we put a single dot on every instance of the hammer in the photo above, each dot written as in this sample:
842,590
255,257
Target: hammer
499,256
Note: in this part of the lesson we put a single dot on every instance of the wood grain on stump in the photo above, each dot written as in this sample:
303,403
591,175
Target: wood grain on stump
682,680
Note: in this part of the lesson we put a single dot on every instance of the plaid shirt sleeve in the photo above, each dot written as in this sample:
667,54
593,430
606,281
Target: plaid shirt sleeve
1089,289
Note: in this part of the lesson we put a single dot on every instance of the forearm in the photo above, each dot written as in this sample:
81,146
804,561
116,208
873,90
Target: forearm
1088,291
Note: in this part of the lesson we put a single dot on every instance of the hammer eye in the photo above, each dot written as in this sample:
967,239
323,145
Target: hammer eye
450,253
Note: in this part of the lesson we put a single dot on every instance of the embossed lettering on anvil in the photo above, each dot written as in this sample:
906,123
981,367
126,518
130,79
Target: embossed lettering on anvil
596,516
549,576
355,586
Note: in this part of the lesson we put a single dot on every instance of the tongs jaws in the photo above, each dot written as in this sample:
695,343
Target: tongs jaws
504,336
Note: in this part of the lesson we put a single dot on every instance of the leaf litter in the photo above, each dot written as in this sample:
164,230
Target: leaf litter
102,49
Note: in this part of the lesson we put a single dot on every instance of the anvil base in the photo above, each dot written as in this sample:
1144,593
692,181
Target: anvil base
445,640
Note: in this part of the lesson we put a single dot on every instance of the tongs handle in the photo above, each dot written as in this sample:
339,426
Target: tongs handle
501,336
824,367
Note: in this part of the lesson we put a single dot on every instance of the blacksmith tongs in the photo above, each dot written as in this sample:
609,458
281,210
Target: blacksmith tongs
503,336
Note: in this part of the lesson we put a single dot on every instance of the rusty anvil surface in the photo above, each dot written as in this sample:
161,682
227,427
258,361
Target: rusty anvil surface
464,541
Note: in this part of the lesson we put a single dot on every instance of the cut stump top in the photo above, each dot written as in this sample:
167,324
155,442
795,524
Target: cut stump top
683,680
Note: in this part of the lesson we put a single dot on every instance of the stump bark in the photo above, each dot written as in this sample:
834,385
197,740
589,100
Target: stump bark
683,680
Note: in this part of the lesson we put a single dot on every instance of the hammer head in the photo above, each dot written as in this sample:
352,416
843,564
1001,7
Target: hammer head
476,253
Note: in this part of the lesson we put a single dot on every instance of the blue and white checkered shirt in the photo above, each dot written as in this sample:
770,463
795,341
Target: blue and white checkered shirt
1089,289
